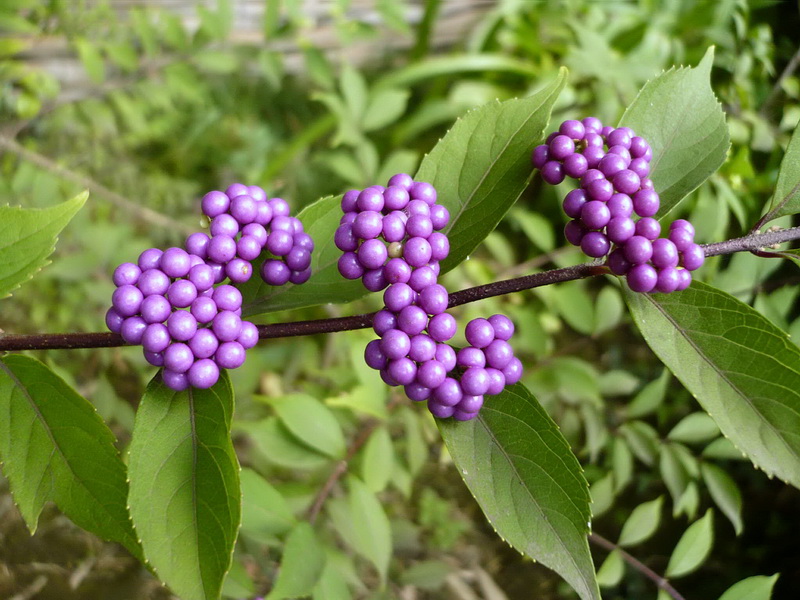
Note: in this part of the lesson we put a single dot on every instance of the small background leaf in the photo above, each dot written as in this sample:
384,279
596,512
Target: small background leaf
786,197
528,483
184,486
311,422
679,116
752,588
642,523
693,547
301,565
725,492
28,236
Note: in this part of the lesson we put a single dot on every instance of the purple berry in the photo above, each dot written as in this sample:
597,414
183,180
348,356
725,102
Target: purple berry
442,327
127,300
638,250
257,193
155,338
420,190
412,319
682,224
448,393
626,181
479,333
611,164
498,354
248,247
552,172
431,374
114,320
236,189
638,146
433,299
572,129
619,137
224,225
423,348
221,248
349,200
374,356
470,357
575,165
591,176
600,189
280,208
595,214
668,280
227,297
469,405
203,374
398,296
574,232
174,380
374,280
540,155
395,344
227,326
440,246
178,358
248,336
395,198
214,203
513,372
642,278
665,254
593,156
620,229
349,267
279,242
417,252
641,167
197,244
403,370
595,244
574,202
422,278
256,231
475,381
126,274
592,124
275,272
693,257
620,205
439,410
646,203
230,355
685,279
372,254
503,327
154,358
446,355
153,281
202,276
682,238
181,293
203,343
617,262
497,381
370,199
239,270
182,325
561,147
204,309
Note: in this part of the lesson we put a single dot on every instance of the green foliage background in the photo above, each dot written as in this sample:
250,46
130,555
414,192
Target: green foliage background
171,105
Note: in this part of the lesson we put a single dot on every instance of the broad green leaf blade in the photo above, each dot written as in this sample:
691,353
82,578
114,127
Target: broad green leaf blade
54,446
28,236
786,197
725,492
482,165
311,422
377,460
479,169
642,523
679,116
184,486
693,547
301,564
265,512
752,588
528,483
742,369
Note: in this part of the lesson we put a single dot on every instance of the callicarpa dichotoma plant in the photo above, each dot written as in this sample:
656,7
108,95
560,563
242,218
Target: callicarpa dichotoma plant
174,498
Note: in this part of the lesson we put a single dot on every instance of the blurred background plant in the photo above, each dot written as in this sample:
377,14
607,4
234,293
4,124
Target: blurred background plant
151,104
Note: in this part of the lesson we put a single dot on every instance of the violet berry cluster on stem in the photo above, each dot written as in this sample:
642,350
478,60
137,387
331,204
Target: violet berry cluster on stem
391,239
176,303
612,166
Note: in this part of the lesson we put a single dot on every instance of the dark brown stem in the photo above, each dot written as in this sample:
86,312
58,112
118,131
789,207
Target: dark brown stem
56,341
661,582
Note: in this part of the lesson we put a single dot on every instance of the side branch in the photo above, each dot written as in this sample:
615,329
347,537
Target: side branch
661,582
60,341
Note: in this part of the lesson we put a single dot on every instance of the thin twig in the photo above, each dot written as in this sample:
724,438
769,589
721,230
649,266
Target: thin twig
61,341
661,582
361,438
778,87
136,211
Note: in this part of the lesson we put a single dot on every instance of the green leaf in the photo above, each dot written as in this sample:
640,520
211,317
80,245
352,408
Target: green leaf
301,564
786,197
428,574
384,108
752,588
332,584
679,116
482,165
602,494
378,460
28,236
311,422
479,170
265,512
693,547
528,483
184,486
622,464
278,445
694,428
650,397
742,369
611,571
363,524
642,523
54,446
92,60
673,472
725,492
642,439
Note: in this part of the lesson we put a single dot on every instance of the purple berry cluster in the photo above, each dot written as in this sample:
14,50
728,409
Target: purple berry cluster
391,239
243,223
612,166
175,304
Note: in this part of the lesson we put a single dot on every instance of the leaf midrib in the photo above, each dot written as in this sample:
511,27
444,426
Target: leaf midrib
519,478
